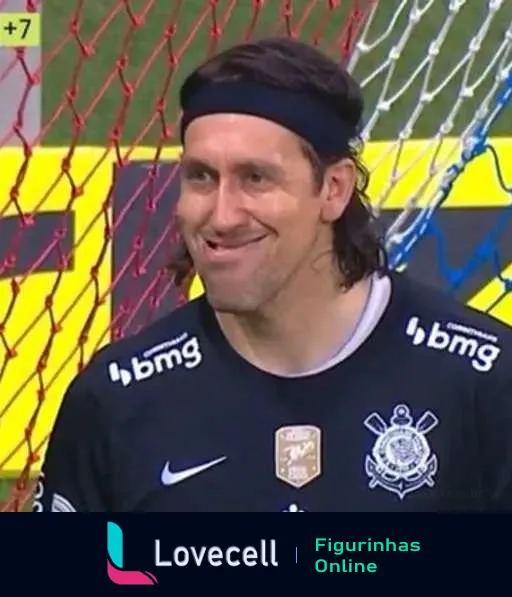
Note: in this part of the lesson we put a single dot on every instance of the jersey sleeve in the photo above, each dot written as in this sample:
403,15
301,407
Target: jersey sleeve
73,477
494,422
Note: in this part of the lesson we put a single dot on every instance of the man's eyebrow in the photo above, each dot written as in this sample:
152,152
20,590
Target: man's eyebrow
242,166
260,165
192,162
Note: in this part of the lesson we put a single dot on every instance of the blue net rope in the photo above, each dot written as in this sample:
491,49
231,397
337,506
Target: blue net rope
427,225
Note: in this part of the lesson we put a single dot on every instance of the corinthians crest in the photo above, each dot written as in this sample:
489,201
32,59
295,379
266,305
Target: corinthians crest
401,460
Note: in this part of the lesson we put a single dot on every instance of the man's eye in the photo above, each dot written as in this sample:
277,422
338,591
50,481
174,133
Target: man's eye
197,175
255,178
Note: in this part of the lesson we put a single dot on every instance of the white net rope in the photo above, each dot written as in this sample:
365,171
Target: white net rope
474,85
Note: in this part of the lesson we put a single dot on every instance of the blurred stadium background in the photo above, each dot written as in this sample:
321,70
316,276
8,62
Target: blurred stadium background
87,185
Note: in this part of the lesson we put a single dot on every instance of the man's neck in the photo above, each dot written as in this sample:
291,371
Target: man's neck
302,334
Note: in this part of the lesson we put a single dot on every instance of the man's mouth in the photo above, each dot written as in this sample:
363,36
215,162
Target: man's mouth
220,250
231,245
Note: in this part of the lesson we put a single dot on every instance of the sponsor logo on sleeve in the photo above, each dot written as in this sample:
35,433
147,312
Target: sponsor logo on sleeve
479,348
183,351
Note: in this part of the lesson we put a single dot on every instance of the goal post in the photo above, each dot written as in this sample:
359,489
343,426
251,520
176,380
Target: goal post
86,202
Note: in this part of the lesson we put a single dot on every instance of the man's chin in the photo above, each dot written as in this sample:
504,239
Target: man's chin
234,302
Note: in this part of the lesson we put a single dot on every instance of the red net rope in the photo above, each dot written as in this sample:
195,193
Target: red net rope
53,318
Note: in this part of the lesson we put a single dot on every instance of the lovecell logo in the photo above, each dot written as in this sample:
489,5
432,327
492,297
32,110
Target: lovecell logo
116,573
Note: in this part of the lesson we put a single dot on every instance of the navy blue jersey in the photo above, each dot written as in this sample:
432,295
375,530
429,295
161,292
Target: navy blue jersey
418,418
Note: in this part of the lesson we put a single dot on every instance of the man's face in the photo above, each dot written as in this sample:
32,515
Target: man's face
248,210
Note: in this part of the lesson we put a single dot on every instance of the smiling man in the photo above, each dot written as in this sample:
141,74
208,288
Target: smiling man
308,378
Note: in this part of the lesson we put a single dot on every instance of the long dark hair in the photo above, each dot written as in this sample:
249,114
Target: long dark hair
292,65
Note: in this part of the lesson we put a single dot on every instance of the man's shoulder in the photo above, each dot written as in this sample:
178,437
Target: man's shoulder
172,328
440,305
171,342
439,320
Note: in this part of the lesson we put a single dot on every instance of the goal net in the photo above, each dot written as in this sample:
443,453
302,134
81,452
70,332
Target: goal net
89,172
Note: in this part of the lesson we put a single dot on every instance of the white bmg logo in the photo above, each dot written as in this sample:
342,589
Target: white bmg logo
179,352
481,348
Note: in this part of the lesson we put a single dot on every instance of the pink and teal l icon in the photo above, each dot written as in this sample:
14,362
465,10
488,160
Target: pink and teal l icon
115,561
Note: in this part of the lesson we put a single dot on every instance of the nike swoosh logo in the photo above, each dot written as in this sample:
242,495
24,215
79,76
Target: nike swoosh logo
170,477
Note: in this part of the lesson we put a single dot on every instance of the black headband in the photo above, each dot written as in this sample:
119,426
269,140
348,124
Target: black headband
315,122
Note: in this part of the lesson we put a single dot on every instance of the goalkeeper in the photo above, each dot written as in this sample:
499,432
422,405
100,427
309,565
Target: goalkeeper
309,377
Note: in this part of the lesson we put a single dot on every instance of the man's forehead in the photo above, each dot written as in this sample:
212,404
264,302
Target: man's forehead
238,133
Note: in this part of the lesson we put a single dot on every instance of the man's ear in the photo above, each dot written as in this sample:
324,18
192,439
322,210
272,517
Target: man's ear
339,183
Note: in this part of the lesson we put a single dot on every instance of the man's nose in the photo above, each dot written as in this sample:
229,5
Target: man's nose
228,210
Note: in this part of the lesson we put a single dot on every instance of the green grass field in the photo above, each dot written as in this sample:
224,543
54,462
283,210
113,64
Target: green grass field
57,75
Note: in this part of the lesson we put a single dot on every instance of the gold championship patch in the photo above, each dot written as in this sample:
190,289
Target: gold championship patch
298,454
